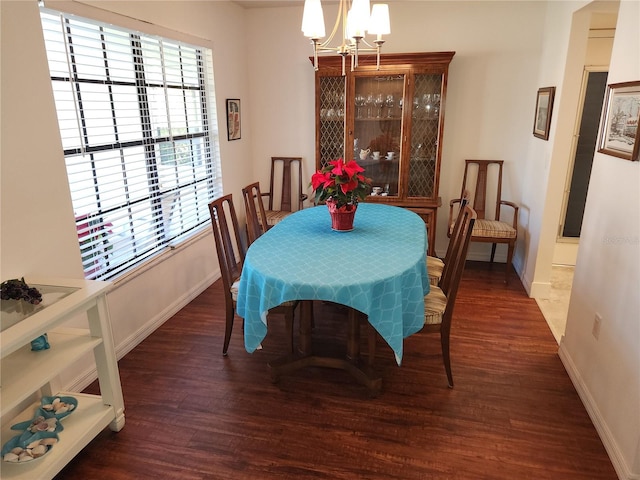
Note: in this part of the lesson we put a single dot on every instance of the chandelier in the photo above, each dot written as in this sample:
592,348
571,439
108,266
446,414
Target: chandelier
357,19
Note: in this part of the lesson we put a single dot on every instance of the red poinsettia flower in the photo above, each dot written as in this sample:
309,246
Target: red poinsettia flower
352,168
318,179
341,182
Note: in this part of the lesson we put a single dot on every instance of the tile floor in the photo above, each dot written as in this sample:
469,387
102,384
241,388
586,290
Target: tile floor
556,307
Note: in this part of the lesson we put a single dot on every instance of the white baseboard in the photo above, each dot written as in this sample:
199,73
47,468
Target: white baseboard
540,290
622,469
83,380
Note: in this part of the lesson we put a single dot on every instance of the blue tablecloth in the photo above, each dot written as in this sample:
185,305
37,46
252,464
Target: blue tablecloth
378,268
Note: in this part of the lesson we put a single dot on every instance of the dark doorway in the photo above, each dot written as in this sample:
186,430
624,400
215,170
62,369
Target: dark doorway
585,149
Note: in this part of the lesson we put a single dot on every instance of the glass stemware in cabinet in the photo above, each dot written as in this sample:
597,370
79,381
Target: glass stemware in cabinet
378,101
436,105
369,103
360,101
390,102
415,113
426,101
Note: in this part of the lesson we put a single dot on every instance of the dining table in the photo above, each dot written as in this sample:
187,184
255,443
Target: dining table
378,270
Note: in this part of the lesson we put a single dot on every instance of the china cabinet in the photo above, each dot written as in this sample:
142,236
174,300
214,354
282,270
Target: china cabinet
391,121
27,374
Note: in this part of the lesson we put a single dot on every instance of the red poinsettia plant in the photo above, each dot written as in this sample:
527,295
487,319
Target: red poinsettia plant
340,182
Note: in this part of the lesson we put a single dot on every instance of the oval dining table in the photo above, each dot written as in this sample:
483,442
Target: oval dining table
378,269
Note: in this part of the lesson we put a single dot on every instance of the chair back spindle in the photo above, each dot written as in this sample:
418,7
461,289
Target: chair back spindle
255,212
286,177
459,256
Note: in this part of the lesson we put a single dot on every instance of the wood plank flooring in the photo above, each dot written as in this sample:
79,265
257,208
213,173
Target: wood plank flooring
193,414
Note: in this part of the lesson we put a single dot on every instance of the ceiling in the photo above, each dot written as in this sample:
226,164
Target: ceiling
268,3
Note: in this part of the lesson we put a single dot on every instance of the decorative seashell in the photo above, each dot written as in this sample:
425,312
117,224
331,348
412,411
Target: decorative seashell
63,409
17,450
34,444
49,441
11,457
47,407
41,425
39,451
25,456
55,401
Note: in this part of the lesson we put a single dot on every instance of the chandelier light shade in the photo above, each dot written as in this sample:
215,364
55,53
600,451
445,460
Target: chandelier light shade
313,19
357,19
379,23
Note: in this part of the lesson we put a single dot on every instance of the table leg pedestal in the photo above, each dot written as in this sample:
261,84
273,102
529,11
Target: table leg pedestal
362,372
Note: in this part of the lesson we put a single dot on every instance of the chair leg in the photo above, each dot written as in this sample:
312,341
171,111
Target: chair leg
509,260
288,319
493,251
446,356
227,331
313,318
372,344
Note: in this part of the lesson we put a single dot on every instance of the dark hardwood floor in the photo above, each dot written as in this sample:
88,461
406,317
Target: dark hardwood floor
193,414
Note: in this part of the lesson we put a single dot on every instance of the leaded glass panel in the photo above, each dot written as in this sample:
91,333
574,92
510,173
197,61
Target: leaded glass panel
425,119
332,98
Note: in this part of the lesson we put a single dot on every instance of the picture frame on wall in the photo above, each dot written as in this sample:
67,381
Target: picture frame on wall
620,135
233,119
544,108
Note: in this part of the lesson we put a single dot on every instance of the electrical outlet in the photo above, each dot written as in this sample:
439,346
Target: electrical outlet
597,323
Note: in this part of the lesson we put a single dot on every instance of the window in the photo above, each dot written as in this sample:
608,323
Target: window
137,120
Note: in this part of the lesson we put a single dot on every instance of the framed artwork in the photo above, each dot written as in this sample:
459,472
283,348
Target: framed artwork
233,119
619,131
544,106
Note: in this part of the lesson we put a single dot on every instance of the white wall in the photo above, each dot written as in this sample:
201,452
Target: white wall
606,371
38,231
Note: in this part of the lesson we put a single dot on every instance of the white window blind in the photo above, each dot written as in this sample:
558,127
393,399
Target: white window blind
137,120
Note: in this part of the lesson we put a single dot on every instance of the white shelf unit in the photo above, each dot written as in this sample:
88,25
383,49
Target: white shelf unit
25,372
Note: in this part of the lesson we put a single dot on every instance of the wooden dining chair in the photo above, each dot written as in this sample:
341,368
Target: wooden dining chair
286,178
255,212
231,253
440,302
256,218
435,265
489,228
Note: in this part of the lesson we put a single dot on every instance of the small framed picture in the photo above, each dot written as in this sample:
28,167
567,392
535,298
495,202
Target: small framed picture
544,106
233,119
619,135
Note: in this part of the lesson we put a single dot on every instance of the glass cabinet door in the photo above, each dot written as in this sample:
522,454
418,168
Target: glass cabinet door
378,104
425,128
332,117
